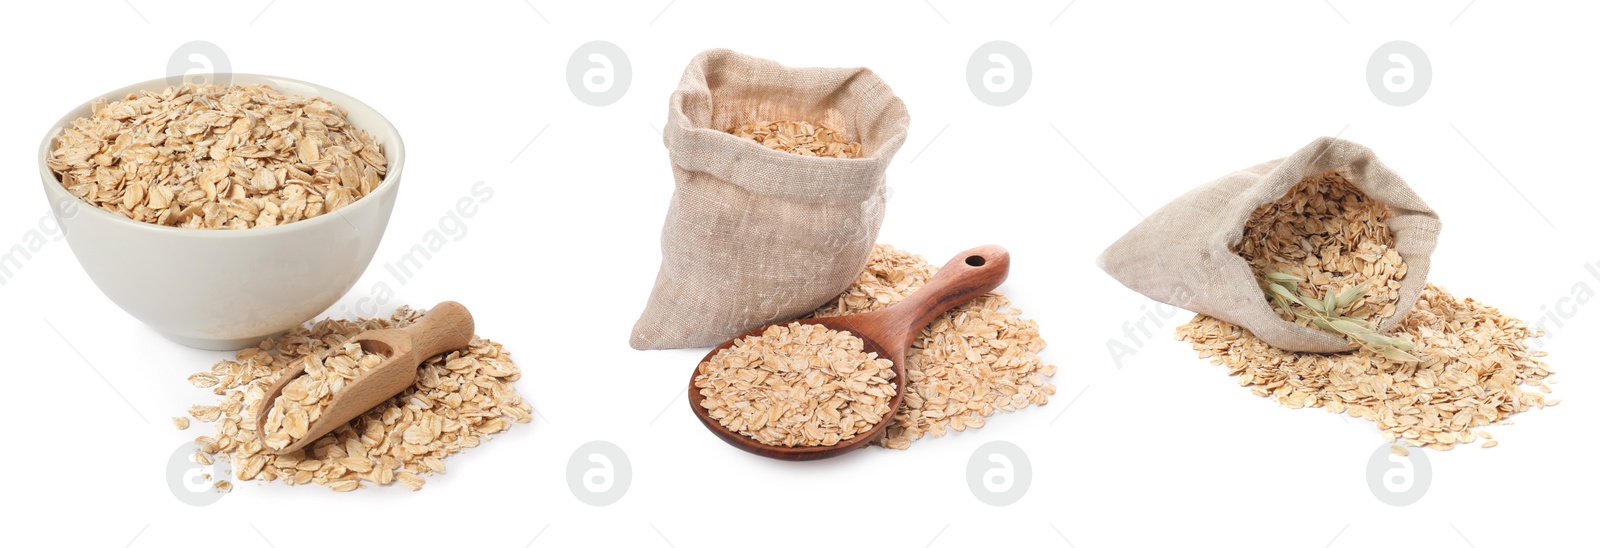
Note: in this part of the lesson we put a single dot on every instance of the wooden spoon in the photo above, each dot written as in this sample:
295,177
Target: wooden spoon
446,327
889,333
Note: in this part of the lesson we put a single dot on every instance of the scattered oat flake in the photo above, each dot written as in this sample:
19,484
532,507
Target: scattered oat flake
182,423
410,480
1490,443
223,486
203,380
1399,450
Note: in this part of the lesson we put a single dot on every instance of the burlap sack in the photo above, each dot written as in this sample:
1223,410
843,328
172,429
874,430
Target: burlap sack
757,236
1183,253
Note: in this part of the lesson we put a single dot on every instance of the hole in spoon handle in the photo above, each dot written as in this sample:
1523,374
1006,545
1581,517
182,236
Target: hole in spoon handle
447,326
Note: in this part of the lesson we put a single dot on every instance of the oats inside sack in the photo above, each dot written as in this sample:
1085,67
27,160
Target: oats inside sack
217,156
803,138
1333,238
458,401
978,359
797,385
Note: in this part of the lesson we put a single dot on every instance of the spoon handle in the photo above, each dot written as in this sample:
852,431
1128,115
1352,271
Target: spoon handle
447,326
966,277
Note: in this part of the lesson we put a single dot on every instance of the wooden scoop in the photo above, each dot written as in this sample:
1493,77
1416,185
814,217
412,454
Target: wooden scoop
889,333
446,327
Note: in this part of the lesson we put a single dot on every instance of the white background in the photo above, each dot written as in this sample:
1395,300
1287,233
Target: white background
1154,98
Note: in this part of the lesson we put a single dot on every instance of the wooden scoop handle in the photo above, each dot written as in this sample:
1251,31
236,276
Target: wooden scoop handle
447,326
968,276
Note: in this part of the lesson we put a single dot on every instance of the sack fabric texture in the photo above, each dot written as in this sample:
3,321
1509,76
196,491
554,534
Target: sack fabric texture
1183,254
756,236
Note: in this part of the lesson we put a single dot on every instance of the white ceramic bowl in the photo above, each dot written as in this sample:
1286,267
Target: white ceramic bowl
228,289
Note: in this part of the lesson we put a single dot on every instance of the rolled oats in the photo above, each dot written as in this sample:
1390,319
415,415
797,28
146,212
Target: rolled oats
803,138
797,385
217,156
302,400
1188,253
1473,364
459,400
1334,238
976,360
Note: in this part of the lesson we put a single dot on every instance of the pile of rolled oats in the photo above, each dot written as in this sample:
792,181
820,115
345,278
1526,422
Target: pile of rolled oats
797,385
978,359
217,156
1474,363
459,400
302,401
1332,237
803,138
1451,367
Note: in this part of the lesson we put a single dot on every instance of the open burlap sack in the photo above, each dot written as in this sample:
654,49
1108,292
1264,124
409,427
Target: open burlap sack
1183,254
757,236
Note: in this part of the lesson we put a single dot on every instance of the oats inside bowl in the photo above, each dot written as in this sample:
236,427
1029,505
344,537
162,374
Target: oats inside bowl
217,156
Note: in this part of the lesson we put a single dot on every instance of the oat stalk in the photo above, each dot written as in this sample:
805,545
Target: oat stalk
1327,314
